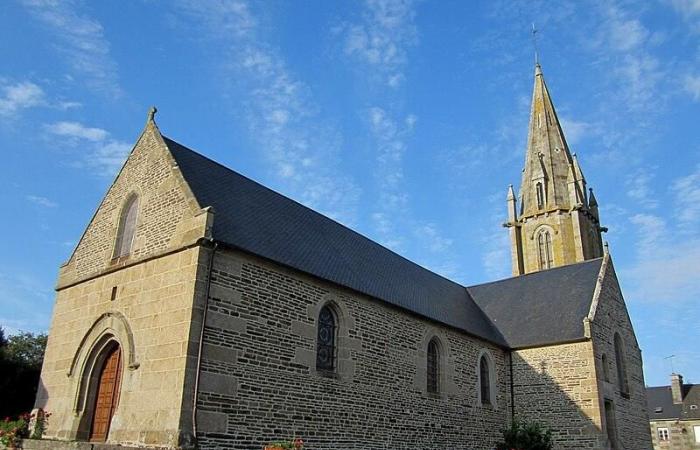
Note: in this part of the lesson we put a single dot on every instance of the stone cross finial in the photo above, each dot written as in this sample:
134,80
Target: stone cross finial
152,114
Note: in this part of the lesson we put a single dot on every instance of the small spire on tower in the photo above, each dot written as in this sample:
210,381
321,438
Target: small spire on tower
591,198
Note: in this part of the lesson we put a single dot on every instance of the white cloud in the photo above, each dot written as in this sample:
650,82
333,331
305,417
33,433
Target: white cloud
283,118
691,84
687,200
689,10
382,38
77,130
81,40
575,130
99,153
19,96
638,189
42,201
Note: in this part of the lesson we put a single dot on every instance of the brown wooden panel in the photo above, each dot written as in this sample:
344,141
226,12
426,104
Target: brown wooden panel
107,395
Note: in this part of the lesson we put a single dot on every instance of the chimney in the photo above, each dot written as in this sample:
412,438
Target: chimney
677,388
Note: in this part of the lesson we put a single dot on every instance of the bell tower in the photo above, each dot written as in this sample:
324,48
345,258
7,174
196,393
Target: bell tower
555,222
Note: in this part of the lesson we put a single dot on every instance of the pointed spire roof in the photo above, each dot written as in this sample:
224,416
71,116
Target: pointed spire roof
548,159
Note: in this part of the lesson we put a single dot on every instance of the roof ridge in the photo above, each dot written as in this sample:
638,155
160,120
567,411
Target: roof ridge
553,269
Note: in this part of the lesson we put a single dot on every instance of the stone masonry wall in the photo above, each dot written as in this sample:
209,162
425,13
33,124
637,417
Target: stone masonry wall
155,299
167,212
259,381
611,317
683,435
556,386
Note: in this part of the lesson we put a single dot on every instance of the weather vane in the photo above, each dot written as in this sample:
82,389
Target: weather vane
534,43
670,358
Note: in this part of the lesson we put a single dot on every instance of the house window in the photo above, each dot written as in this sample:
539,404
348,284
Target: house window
127,227
433,367
621,366
544,244
485,380
610,424
606,371
662,433
326,347
539,190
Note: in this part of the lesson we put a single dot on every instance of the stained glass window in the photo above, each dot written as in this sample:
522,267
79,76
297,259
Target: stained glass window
127,227
325,349
484,378
433,367
621,367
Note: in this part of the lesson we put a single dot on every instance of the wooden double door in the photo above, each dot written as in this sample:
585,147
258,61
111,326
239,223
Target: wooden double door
107,395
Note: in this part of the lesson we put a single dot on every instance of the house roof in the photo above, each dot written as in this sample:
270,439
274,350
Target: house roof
516,312
261,221
543,307
661,407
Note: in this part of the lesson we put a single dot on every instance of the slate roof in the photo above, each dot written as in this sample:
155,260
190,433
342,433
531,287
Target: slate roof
261,221
659,398
516,312
543,307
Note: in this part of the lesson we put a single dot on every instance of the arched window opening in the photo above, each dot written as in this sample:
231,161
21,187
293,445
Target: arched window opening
433,367
127,227
621,367
606,371
326,345
485,380
539,188
544,244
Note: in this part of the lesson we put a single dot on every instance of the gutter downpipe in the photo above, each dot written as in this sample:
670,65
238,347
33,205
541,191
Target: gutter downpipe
201,339
512,389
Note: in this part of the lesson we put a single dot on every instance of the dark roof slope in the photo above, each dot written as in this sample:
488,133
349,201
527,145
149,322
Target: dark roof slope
659,399
540,308
256,219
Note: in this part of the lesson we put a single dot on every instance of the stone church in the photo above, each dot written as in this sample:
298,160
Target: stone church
202,309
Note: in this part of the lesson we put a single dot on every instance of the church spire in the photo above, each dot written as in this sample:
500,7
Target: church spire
555,224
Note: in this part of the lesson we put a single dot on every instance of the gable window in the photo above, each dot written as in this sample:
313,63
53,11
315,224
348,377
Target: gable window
663,434
544,245
127,227
433,367
539,190
610,424
325,343
621,367
485,380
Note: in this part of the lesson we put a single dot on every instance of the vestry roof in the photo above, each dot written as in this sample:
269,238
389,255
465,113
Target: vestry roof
661,406
253,218
543,307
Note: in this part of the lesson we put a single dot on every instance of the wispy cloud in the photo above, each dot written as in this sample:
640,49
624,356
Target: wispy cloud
81,40
283,118
382,39
639,190
24,297
99,152
689,10
665,268
42,201
19,96
77,130
575,130
691,84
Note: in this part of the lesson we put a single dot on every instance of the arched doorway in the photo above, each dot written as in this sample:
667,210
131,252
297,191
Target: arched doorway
107,386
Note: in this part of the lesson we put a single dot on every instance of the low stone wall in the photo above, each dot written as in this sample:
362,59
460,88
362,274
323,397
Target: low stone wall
50,444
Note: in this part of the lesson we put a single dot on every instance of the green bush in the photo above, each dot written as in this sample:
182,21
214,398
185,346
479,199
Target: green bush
526,436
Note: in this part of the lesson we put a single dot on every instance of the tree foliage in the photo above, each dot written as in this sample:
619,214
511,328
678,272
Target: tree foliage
526,436
21,356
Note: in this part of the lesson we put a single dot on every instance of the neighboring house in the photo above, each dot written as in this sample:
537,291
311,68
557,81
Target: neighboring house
202,308
674,415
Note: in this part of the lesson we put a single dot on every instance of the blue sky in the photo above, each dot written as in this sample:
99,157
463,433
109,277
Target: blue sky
404,120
